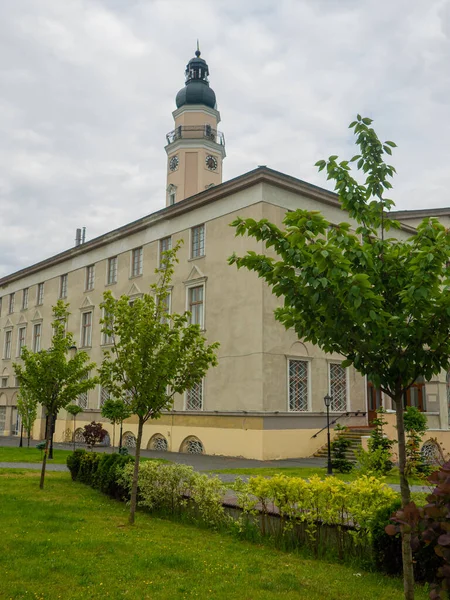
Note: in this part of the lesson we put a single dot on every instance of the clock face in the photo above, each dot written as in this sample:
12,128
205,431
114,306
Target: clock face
211,162
173,163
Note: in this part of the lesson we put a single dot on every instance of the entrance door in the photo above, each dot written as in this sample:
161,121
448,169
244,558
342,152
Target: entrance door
373,401
415,396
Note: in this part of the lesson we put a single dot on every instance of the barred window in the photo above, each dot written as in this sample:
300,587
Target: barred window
164,245
196,305
104,396
86,329
112,270
136,262
106,338
194,397
338,388
83,398
8,339
25,298
198,241
37,332
298,385
40,294
11,303
90,276
63,286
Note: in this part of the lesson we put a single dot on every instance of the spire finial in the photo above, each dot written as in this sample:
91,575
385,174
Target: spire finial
197,52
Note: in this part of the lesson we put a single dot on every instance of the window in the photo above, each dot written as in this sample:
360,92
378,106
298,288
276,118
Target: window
63,286
83,397
90,273
198,241
338,388
196,305
112,270
40,294
11,303
298,385
136,262
172,198
37,332
8,338
106,339
165,307
4,382
194,397
86,329
104,395
164,245
1,301
21,340
25,298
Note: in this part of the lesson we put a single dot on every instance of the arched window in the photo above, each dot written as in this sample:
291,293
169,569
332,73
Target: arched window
129,440
432,452
192,445
158,442
79,437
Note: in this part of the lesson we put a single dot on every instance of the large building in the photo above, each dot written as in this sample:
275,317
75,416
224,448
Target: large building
265,398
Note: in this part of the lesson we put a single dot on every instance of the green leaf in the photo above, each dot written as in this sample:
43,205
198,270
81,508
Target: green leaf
367,121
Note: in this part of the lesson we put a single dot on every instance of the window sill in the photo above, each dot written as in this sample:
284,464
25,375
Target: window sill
88,290
110,284
24,308
85,347
135,276
196,257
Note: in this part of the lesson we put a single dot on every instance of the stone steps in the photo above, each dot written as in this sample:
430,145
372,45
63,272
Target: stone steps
354,435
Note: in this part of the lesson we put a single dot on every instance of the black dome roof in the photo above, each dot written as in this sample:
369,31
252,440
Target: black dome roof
196,89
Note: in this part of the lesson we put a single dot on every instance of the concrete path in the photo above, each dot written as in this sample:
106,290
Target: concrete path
36,466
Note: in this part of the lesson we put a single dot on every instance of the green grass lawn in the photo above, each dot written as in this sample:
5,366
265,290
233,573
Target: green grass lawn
31,455
71,542
307,472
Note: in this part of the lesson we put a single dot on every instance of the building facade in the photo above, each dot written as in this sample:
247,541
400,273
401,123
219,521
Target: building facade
264,400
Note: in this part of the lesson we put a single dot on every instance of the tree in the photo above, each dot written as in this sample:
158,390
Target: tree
74,410
382,303
154,354
94,433
27,407
53,379
116,411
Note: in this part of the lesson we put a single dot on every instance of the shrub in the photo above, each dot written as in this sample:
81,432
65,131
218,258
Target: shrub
73,462
107,475
173,488
88,467
378,459
94,433
415,427
339,447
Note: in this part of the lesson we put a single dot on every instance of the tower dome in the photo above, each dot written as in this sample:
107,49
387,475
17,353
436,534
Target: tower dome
196,89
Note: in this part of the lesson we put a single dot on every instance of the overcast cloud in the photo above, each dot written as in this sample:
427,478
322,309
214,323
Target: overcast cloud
87,88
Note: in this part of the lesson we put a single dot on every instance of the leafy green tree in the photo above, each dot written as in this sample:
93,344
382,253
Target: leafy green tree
154,354
382,303
116,411
27,407
51,377
74,410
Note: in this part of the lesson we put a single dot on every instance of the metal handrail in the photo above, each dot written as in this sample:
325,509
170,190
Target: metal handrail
196,132
344,414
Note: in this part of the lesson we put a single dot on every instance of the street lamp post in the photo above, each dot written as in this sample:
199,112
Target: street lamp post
327,401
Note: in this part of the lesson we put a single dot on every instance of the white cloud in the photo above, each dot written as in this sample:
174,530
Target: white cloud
87,88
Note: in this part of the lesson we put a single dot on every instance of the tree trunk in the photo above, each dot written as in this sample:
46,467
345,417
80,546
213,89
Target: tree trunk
73,436
48,435
134,487
120,441
407,559
114,436
28,437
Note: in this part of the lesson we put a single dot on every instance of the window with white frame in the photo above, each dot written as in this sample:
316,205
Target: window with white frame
21,340
86,329
40,294
112,270
4,382
194,397
298,385
104,395
165,244
195,305
37,334
7,348
24,298
11,302
63,286
136,262
90,276
106,338
198,241
338,387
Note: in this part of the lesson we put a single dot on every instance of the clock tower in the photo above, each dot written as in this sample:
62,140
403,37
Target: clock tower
195,149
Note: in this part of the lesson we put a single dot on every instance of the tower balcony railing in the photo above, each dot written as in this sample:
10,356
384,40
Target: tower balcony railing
196,132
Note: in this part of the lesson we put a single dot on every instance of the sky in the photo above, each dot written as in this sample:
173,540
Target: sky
87,88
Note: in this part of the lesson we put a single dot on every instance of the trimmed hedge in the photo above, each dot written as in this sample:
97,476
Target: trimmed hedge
100,471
